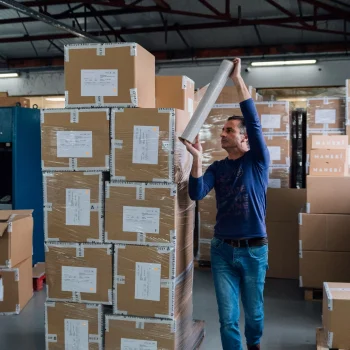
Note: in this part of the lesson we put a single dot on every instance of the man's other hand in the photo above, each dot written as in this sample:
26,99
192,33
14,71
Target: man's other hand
195,149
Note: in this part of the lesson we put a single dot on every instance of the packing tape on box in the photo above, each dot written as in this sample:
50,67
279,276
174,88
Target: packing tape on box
100,48
301,281
205,105
186,81
226,106
115,281
330,339
300,249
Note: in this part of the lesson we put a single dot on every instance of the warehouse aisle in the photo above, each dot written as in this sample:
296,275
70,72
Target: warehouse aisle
290,321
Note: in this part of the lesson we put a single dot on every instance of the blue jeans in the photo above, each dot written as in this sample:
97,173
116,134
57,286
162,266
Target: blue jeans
239,271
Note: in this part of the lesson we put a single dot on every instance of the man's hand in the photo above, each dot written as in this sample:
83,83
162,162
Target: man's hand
195,149
236,73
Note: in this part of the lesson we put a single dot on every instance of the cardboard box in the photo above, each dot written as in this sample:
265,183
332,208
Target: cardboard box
148,213
279,147
328,168
279,177
73,326
326,113
283,250
150,333
324,232
311,133
14,102
16,236
329,154
229,95
115,74
329,142
175,92
79,272
336,314
145,145
328,195
284,204
73,207
274,116
207,211
75,139
152,281
316,267
17,287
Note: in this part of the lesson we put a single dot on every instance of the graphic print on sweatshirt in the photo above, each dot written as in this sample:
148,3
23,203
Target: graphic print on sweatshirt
231,191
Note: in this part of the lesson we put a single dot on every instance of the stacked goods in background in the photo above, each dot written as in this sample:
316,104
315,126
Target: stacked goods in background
79,279
335,316
16,282
324,252
325,116
149,218
275,120
118,218
283,207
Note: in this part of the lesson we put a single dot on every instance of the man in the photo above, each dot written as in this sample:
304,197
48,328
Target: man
239,252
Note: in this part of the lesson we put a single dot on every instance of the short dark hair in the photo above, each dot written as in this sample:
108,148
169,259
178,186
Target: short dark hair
241,125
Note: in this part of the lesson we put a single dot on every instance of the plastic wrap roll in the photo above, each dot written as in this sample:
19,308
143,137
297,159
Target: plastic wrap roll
207,102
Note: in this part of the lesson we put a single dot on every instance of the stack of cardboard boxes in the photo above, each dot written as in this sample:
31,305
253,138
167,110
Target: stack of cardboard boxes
118,219
325,116
324,249
16,281
275,119
335,317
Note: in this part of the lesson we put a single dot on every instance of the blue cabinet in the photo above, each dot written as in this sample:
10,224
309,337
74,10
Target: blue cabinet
21,128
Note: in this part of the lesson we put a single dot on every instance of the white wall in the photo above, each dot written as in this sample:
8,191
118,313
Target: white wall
333,73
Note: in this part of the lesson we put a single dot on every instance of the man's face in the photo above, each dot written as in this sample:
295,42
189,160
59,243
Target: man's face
231,136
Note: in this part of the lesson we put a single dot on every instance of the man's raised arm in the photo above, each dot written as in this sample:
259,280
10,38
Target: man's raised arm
255,136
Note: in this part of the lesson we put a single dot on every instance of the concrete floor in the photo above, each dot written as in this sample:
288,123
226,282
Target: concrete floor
290,321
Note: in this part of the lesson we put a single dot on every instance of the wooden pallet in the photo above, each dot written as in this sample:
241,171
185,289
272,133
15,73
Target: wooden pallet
321,342
311,294
202,264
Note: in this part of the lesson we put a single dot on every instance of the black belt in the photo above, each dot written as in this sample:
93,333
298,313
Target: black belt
252,242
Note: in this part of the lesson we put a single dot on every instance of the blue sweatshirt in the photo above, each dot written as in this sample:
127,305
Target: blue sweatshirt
240,185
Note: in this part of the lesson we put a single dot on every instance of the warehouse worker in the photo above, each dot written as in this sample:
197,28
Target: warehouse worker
239,248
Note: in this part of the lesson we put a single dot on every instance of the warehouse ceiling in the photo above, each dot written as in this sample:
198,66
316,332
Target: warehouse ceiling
173,29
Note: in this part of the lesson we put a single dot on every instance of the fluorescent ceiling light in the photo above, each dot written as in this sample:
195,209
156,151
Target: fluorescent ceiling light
282,63
55,99
8,75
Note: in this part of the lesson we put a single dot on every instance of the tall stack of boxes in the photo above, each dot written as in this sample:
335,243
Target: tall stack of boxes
275,120
118,218
325,116
324,250
16,281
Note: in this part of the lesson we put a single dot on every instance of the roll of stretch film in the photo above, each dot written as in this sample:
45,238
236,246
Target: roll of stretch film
207,102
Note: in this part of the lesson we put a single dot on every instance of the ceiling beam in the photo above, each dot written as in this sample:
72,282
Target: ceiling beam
280,22
162,3
81,14
48,20
262,50
287,12
210,7
331,9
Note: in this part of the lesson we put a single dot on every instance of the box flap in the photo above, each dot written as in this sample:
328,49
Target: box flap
6,214
3,228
